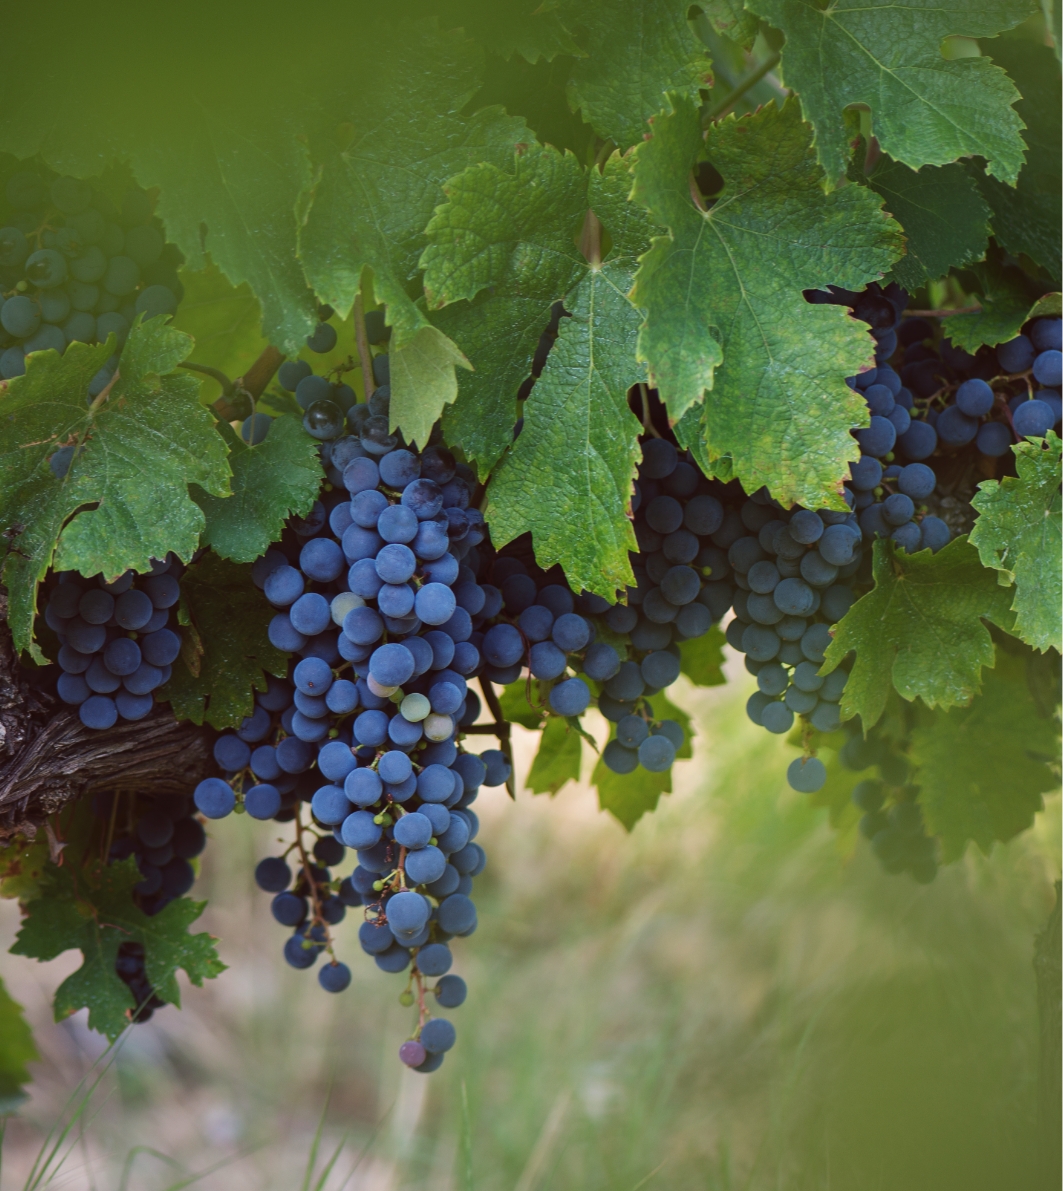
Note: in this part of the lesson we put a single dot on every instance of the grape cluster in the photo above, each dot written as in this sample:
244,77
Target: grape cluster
76,266
376,598
896,832
164,836
115,646
944,409
331,407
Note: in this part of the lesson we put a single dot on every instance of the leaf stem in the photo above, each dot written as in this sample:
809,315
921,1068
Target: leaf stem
227,386
741,87
945,313
362,340
647,420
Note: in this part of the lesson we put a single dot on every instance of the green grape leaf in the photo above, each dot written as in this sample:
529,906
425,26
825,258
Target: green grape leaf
378,183
629,796
93,910
558,758
665,709
1018,533
733,20
925,110
224,321
17,1049
1027,217
515,706
225,648
723,299
919,630
498,332
637,52
701,658
567,478
500,252
510,226
944,218
423,381
124,500
279,477
982,769
1005,306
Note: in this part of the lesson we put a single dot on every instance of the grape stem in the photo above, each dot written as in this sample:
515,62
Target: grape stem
422,1012
647,419
944,313
362,340
741,87
315,897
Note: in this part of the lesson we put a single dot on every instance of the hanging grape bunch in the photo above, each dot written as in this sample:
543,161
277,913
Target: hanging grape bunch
74,265
117,640
375,592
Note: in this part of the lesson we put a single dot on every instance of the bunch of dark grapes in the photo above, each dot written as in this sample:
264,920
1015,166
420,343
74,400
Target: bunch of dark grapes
891,821
164,836
941,419
332,413
76,266
377,602
116,646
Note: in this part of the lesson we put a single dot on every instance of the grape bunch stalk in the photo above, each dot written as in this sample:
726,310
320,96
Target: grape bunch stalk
76,266
376,600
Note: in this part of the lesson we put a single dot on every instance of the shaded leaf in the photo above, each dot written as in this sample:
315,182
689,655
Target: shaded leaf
1018,532
723,298
224,321
701,658
945,219
226,649
17,1049
1006,304
279,477
137,450
515,706
380,177
982,769
629,796
93,910
925,110
558,758
635,53
919,630
1026,218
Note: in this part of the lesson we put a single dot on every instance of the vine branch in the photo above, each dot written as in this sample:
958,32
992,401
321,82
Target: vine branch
741,87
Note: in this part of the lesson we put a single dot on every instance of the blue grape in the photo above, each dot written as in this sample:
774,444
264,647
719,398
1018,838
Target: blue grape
571,697
656,753
806,775
1048,368
1033,418
214,798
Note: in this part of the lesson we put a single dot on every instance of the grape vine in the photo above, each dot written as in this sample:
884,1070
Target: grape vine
538,391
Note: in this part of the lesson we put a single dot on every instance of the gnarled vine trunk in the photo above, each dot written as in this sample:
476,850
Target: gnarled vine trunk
47,756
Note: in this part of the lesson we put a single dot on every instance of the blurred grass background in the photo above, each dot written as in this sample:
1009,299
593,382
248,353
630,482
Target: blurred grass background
726,999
